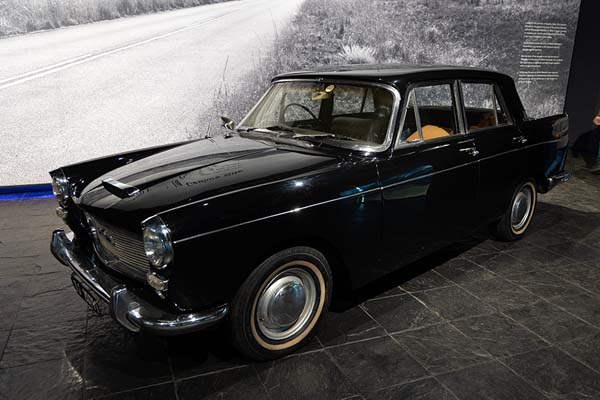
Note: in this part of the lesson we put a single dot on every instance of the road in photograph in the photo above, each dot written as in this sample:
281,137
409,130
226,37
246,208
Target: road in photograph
81,92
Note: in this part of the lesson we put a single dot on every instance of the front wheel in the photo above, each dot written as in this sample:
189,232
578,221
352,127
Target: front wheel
279,306
515,221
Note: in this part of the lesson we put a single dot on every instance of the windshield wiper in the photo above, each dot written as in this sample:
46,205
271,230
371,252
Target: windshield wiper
261,135
324,135
274,128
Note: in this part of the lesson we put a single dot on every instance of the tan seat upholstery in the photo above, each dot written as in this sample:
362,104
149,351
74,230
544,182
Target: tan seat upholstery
429,132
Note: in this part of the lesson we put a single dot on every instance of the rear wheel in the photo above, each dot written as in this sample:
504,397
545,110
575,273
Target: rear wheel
517,218
279,306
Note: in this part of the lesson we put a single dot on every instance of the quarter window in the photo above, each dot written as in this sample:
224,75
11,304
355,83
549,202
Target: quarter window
430,114
482,106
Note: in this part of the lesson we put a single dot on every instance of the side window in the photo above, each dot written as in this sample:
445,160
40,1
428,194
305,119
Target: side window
431,114
482,107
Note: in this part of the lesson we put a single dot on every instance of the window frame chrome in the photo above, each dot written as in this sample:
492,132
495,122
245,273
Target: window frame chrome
498,95
392,123
458,112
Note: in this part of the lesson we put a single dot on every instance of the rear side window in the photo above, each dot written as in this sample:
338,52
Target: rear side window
482,106
431,114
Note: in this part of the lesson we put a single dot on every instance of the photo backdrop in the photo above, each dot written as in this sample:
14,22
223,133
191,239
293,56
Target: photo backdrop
531,40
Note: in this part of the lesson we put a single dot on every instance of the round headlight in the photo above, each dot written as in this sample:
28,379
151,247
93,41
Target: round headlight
60,185
157,242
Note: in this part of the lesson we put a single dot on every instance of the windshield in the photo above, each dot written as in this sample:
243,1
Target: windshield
343,114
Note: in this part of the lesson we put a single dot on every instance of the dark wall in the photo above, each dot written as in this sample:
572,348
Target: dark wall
583,92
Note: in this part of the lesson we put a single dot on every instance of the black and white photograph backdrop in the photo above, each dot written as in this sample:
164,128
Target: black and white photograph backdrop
89,90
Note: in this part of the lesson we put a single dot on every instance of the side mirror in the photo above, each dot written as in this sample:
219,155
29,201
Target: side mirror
228,123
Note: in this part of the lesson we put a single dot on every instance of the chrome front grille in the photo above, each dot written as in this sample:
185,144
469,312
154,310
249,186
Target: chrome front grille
118,248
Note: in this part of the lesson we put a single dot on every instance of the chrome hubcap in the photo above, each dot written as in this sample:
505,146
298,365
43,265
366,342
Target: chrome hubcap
286,304
521,208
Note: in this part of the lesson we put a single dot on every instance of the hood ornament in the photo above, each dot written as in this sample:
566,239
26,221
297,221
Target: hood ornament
119,189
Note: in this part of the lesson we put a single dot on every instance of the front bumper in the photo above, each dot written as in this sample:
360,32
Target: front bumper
129,310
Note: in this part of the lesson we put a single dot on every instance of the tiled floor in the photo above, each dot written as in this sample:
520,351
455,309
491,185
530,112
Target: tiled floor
481,320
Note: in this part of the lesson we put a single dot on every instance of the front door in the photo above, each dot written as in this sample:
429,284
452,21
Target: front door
430,183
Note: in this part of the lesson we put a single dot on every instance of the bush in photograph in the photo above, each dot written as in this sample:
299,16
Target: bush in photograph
21,16
477,33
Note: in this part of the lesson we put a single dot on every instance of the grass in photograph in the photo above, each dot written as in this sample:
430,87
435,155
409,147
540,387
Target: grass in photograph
21,16
479,33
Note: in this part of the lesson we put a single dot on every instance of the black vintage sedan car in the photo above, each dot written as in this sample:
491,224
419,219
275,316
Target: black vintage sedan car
335,178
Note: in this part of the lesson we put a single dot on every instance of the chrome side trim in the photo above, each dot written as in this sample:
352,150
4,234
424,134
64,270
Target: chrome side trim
518,149
298,209
131,311
295,210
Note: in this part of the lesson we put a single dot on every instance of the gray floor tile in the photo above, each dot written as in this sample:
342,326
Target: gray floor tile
499,335
376,363
585,349
44,342
490,381
400,313
307,376
453,303
116,360
239,383
442,348
575,250
585,306
428,280
544,284
550,322
556,374
540,257
503,264
500,293
349,326
585,275
156,392
461,270
50,380
426,389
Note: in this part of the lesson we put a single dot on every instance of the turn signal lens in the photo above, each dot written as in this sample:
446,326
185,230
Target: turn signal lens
156,282
60,185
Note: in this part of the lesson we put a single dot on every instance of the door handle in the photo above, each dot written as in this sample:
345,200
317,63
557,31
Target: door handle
471,150
520,139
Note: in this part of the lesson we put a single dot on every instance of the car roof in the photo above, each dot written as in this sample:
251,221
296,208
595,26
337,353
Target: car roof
392,73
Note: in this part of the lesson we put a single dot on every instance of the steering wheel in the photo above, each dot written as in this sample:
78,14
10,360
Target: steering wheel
302,107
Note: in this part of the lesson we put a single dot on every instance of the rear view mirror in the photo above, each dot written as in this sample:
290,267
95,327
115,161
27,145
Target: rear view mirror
228,123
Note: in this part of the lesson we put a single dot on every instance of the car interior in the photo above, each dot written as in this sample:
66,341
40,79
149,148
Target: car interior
366,122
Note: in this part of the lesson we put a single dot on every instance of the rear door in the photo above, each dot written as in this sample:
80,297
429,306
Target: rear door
430,182
499,143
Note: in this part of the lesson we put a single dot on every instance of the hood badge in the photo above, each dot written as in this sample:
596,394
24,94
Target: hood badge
119,189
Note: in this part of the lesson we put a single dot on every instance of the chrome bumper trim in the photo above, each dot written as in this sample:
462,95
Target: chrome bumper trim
561,177
126,308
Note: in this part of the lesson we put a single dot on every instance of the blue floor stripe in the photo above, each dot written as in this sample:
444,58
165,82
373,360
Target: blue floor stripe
15,193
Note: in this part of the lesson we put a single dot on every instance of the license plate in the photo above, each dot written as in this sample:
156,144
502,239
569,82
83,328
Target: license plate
86,293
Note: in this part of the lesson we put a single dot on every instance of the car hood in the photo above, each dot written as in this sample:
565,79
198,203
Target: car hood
198,170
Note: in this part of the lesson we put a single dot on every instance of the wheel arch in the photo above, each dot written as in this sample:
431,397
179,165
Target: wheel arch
342,283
